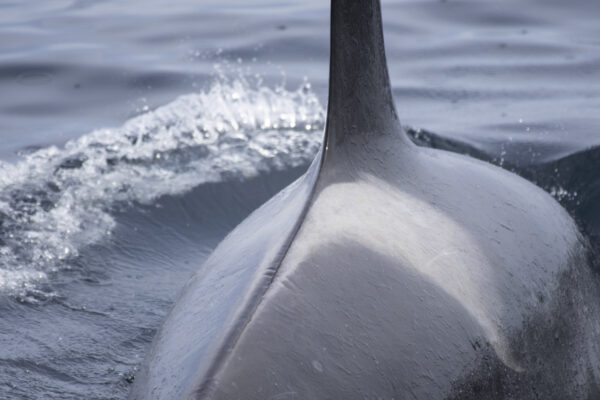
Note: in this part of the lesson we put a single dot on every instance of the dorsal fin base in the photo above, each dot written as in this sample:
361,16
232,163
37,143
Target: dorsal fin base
360,97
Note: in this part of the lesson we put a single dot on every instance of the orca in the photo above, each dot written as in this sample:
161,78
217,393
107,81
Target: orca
387,271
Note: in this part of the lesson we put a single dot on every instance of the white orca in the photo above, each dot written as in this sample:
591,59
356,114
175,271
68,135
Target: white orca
388,271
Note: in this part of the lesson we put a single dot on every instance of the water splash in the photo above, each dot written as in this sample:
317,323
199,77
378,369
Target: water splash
562,195
56,200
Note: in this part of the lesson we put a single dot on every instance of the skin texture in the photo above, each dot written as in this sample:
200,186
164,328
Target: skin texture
387,272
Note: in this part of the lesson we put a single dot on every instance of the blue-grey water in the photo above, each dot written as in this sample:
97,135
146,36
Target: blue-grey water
135,135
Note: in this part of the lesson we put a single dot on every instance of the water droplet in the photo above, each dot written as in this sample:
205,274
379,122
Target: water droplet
317,366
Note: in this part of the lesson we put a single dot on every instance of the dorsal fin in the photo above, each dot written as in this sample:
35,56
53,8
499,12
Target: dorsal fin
360,98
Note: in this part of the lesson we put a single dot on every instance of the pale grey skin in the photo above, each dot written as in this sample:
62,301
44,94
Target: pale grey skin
387,271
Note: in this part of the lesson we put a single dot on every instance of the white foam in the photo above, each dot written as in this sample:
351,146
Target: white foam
56,200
